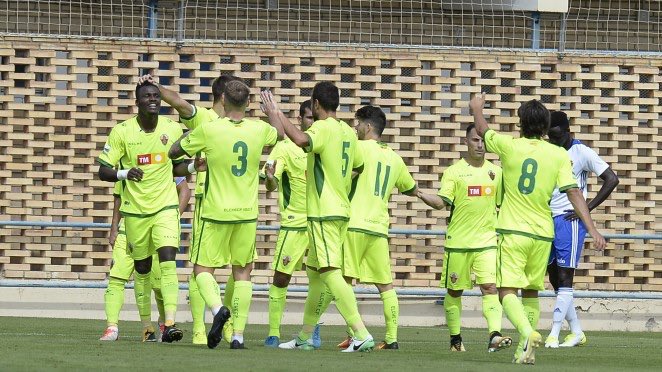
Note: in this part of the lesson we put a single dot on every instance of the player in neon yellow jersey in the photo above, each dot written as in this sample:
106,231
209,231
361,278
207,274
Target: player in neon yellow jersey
233,146
472,188
138,146
532,169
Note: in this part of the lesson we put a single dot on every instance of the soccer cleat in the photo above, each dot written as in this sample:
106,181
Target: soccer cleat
573,340
236,345
456,344
360,345
148,334
498,342
296,344
528,355
199,338
551,342
272,341
214,335
110,334
385,346
172,334
159,332
228,330
316,340
345,343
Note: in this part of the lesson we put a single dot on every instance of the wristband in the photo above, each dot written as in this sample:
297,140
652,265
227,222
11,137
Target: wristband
191,168
122,174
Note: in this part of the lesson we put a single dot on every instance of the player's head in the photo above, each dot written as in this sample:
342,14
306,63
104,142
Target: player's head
218,86
326,98
235,96
305,115
475,144
370,122
533,119
559,128
148,98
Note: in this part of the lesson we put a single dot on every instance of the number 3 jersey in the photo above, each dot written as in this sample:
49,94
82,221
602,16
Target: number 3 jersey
233,150
473,194
383,170
532,168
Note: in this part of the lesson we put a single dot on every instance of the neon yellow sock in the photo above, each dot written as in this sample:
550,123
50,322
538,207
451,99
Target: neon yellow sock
197,304
345,302
391,315
142,287
170,290
515,313
114,300
532,309
158,296
229,290
241,304
315,304
209,290
453,308
493,312
277,298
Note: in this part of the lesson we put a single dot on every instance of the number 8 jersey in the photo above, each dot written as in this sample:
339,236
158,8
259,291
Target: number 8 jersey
233,150
532,168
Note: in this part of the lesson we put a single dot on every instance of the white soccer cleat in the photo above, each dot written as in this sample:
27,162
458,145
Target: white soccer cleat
573,340
110,334
296,344
360,345
552,342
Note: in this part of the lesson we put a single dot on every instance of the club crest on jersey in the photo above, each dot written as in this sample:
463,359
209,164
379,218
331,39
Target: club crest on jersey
146,159
286,260
491,174
454,278
164,139
480,190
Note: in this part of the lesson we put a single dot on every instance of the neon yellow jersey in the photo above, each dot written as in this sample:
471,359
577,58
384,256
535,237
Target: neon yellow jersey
331,157
532,168
233,151
383,170
200,116
291,174
128,147
473,194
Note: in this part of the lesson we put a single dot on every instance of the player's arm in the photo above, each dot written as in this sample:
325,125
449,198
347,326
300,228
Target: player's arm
609,182
477,104
185,109
434,201
113,151
107,173
115,220
184,193
581,208
279,121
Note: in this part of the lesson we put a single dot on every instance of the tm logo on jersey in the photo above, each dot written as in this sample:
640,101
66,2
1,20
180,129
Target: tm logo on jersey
146,159
480,190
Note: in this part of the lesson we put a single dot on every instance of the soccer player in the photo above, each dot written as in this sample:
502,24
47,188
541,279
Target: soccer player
532,168
366,250
233,146
472,188
569,232
285,171
332,157
193,116
149,197
122,267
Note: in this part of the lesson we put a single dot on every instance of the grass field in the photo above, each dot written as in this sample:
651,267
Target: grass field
66,344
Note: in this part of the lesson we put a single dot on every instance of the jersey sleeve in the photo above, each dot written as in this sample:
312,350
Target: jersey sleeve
318,133
565,179
593,161
496,143
270,134
447,190
405,182
114,148
117,189
198,117
194,142
359,157
177,133
499,186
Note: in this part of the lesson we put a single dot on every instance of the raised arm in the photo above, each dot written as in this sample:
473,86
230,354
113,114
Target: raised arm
270,180
581,208
185,109
476,105
279,121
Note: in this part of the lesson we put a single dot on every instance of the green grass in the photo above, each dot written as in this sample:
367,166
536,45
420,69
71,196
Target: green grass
66,344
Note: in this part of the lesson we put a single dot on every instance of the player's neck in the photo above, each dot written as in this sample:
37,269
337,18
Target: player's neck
148,122
568,143
218,109
475,162
370,136
326,114
235,115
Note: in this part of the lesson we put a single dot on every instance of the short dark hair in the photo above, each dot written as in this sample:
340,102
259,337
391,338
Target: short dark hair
534,119
218,86
559,119
236,93
469,128
307,104
327,95
145,84
373,115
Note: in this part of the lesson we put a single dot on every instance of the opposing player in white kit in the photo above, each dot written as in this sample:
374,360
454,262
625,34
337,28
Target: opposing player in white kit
569,231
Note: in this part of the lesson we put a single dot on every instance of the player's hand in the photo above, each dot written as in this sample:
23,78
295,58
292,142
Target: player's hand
112,236
135,174
268,104
200,164
477,103
146,78
599,242
570,215
270,168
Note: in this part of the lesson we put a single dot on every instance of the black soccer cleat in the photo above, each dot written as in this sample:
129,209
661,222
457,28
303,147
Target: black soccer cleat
171,334
386,346
236,345
216,332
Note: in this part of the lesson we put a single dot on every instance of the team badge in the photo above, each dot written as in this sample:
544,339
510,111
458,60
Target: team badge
164,139
286,260
491,174
453,278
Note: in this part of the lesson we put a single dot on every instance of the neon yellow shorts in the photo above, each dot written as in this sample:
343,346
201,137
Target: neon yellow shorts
458,266
195,234
325,240
122,265
366,257
226,243
522,262
290,249
145,235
